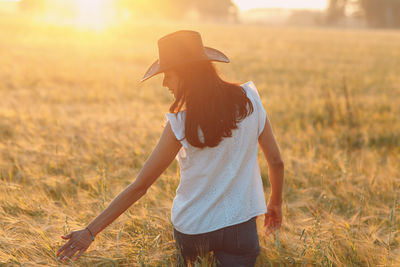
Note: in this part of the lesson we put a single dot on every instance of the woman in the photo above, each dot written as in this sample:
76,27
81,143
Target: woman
214,129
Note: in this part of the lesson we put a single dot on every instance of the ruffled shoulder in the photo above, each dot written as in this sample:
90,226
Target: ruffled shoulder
177,121
254,96
250,87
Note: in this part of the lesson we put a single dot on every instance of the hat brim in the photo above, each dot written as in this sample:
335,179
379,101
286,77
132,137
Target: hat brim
211,53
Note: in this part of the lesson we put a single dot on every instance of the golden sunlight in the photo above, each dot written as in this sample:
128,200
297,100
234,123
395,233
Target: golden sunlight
95,14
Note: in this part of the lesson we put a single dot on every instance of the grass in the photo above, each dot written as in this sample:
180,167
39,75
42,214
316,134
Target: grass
76,126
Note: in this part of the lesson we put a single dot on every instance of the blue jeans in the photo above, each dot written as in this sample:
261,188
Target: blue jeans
233,246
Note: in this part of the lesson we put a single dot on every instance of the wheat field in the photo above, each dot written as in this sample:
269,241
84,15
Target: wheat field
76,127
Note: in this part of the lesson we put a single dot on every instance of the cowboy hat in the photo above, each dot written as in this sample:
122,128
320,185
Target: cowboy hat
182,47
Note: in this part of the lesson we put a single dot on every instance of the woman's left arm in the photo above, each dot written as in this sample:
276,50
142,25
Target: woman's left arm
161,157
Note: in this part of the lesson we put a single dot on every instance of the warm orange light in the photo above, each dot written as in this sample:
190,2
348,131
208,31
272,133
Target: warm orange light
84,14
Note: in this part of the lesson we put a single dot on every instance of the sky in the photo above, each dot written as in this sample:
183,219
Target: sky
303,4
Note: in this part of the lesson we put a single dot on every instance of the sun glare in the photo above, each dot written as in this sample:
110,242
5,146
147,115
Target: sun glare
95,14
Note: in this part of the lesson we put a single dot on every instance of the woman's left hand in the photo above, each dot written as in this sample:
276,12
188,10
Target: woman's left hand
78,241
273,218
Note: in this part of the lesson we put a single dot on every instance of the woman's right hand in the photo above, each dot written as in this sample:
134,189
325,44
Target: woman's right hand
273,218
79,241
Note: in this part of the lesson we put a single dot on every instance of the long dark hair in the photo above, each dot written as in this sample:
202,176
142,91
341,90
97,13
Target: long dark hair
212,104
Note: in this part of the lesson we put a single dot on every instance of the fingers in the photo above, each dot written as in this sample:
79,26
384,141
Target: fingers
64,247
67,255
275,223
272,223
66,236
271,229
80,253
268,220
80,242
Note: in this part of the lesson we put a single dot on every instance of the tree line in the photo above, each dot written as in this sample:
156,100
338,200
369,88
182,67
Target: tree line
377,13
177,9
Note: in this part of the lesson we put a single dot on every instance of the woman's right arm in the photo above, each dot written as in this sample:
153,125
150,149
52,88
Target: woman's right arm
269,146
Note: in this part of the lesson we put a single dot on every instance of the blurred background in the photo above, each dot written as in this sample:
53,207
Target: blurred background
99,13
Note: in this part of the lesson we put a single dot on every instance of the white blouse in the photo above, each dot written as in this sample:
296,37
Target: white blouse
219,186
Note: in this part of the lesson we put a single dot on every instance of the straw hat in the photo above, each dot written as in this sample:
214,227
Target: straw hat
182,47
